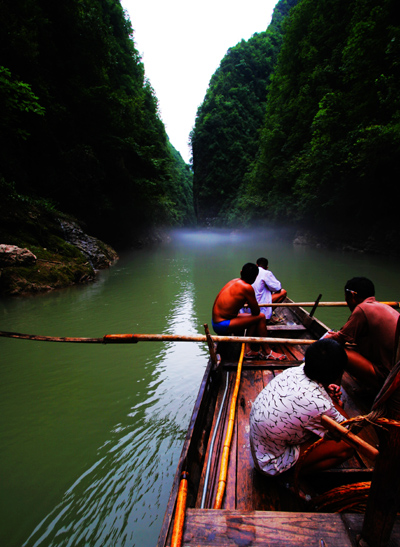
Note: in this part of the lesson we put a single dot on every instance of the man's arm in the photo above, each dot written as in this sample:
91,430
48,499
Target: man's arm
271,282
349,332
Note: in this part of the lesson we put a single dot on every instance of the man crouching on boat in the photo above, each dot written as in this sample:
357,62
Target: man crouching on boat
285,418
371,327
226,318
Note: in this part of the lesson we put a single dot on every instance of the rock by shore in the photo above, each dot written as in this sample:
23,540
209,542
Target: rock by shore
43,250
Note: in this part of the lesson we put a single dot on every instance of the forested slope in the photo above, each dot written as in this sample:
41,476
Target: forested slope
79,124
331,141
325,154
226,133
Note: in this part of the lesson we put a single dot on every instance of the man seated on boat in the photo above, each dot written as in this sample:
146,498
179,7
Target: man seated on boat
285,418
372,328
226,318
267,288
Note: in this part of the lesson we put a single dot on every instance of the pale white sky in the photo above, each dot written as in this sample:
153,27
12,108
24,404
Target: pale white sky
182,43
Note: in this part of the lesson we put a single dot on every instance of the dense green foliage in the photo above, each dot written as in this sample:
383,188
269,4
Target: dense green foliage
79,121
330,145
226,133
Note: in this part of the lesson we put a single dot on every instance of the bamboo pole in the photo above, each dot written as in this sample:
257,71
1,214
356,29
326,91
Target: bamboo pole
213,355
348,437
320,304
228,437
179,521
134,338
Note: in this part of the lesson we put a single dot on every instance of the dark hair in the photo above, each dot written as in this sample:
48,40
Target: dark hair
263,262
362,286
249,272
325,361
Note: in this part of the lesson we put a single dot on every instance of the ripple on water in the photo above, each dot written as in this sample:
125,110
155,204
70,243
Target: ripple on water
122,497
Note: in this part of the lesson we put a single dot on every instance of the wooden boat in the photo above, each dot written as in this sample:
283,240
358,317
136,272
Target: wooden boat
260,510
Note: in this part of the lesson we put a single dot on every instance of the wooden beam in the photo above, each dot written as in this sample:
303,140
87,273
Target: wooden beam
272,528
134,338
350,438
320,304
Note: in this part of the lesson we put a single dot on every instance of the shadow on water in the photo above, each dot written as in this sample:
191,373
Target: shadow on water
91,435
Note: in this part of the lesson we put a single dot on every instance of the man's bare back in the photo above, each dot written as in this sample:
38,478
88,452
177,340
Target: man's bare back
226,318
231,299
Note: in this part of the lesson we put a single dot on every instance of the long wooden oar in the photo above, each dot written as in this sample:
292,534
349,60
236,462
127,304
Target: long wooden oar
134,338
320,304
228,437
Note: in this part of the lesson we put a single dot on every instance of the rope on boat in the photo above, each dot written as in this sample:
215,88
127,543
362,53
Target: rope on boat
344,498
228,438
353,440
338,431
352,496
177,531
203,497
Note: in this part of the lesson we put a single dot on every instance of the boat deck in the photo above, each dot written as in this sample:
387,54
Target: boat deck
214,527
255,507
258,510
246,488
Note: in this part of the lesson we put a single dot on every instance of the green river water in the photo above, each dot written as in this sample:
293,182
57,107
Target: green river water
91,434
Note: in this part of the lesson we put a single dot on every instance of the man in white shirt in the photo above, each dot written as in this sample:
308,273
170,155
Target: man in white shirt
267,288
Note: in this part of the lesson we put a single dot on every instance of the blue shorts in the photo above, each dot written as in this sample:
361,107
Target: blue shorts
221,327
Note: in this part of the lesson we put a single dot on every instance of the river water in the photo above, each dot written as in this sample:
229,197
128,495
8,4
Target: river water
91,434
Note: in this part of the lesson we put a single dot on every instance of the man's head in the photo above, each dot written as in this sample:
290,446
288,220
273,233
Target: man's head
249,273
262,263
325,361
357,290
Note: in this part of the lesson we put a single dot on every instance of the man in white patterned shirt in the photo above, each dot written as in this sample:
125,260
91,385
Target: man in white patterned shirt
286,416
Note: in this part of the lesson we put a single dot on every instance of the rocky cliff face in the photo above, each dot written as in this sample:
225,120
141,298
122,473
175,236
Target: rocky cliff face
99,254
42,250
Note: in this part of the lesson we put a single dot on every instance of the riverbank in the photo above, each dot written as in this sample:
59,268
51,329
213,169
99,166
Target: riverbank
377,241
42,249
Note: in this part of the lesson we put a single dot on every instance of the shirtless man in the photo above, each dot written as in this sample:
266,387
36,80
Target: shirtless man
226,318
372,328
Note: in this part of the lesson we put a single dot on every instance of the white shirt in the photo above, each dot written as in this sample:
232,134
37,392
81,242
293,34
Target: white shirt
282,417
264,285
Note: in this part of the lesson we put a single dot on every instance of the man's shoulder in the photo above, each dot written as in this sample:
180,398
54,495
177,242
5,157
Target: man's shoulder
370,304
263,275
238,285
231,283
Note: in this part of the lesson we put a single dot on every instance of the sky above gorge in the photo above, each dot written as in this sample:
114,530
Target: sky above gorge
182,43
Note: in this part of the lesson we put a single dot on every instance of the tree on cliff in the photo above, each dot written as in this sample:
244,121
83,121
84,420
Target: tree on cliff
99,149
226,132
329,147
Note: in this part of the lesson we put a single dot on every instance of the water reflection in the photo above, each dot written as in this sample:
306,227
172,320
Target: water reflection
117,499
91,435
213,237
120,499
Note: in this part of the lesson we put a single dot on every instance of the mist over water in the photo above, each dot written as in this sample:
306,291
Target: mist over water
91,434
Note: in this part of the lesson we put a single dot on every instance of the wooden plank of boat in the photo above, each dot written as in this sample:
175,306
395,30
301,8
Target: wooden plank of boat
257,510
229,528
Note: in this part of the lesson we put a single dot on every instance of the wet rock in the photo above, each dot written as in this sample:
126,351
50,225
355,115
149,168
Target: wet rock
99,254
11,255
